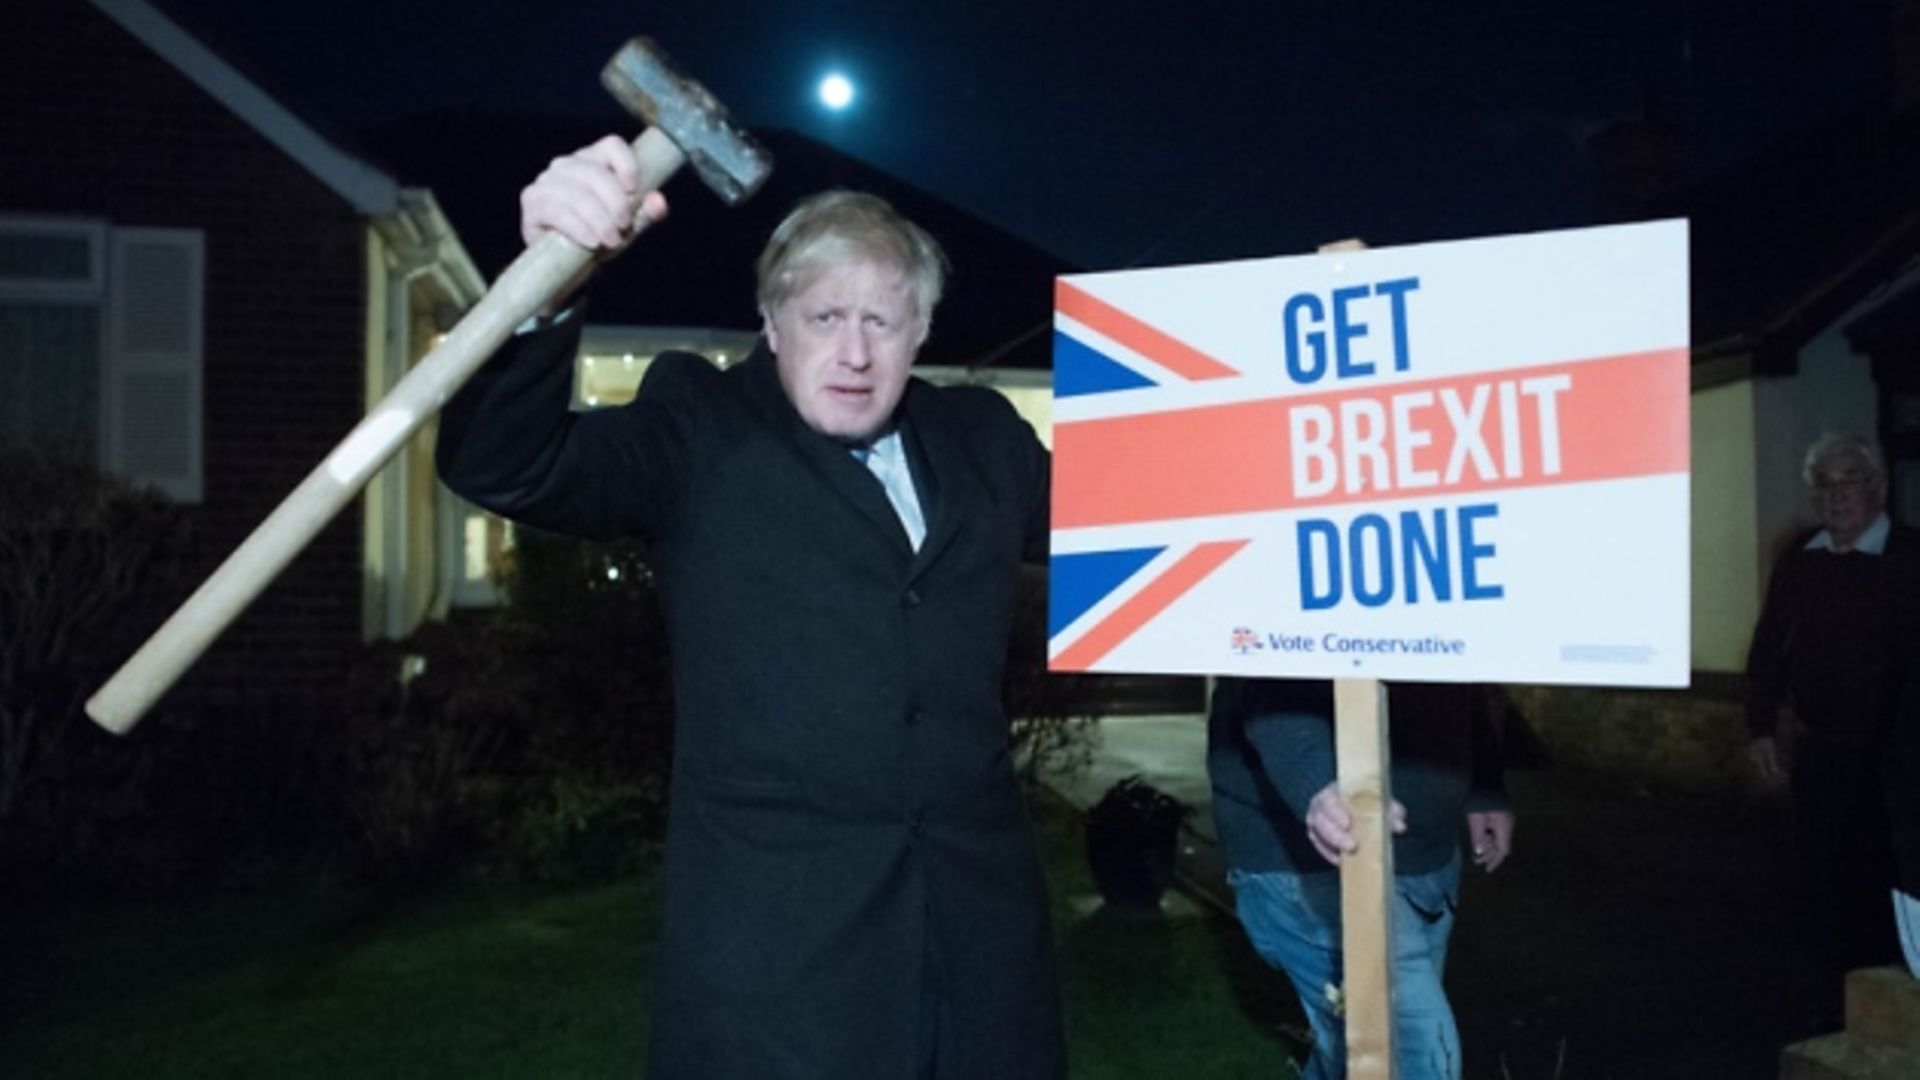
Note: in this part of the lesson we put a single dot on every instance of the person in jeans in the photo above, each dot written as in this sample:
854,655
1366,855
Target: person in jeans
1285,828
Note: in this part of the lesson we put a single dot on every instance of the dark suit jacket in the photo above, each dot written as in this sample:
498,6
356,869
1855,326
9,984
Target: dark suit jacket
843,808
1839,638
1836,638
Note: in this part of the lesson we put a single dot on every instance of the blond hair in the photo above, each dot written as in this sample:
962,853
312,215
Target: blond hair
837,227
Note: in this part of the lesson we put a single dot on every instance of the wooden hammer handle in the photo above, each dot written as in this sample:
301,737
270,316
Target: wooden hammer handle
534,280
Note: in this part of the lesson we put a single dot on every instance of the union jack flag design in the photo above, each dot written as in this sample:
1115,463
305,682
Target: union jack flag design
1100,597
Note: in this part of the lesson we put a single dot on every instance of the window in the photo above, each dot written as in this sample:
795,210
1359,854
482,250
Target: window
613,359
100,346
52,283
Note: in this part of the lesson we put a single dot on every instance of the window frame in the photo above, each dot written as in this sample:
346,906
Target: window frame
58,290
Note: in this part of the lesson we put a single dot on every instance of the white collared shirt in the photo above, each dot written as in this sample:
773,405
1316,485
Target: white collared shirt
887,459
1872,539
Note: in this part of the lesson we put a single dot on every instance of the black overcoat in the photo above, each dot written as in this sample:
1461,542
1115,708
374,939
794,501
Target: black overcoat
844,812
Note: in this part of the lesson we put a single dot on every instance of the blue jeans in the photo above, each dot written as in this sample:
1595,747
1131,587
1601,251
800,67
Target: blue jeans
1906,916
1293,921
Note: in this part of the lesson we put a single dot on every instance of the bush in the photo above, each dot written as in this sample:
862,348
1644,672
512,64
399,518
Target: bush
574,827
86,563
535,739
593,802
432,723
1133,838
1052,715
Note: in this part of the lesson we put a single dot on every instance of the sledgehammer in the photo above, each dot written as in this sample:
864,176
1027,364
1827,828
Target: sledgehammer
685,124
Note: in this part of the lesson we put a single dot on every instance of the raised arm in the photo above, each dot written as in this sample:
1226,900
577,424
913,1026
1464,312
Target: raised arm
508,440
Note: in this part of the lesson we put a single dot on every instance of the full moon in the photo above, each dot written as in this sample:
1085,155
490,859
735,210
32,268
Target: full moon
836,91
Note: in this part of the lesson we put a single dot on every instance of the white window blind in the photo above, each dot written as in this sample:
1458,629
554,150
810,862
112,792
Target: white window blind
151,383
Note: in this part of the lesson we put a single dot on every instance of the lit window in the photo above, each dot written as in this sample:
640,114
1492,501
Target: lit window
602,380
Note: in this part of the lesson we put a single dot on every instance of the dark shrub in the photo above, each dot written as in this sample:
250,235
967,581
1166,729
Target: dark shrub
1133,839
1053,715
535,738
86,564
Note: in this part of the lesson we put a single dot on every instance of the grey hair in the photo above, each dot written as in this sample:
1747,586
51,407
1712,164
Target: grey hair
1830,446
835,226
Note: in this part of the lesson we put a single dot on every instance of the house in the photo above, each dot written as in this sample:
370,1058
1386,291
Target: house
1806,320
206,294
1799,259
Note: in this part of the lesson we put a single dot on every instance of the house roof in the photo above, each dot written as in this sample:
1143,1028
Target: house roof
367,189
1893,325
410,217
1889,334
1789,240
696,268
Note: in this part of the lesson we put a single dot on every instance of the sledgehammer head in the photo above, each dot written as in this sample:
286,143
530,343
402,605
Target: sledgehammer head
645,81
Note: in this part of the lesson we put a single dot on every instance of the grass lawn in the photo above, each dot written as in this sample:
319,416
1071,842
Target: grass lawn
472,982
484,979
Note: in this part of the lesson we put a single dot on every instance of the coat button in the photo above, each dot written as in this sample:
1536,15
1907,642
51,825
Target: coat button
912,598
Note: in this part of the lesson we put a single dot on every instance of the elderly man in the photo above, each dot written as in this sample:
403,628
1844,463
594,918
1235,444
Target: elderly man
851,886
1836,640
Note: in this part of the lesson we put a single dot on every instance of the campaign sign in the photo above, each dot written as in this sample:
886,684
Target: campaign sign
1451,462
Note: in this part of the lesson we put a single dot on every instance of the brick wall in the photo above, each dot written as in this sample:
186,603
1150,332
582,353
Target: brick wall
95,125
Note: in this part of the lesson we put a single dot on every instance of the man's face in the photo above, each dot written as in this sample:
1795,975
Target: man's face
843,346
1846,496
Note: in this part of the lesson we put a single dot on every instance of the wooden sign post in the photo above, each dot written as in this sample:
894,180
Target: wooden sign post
1362,757
1366,877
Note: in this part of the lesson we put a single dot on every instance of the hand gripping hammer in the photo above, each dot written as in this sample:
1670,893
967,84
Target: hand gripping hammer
685,124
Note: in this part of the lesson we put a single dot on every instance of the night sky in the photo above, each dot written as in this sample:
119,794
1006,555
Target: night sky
1117,134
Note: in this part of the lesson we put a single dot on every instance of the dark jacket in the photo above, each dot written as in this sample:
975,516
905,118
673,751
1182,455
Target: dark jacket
1835,639
1901,774
1839,639
843,806
1270,749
